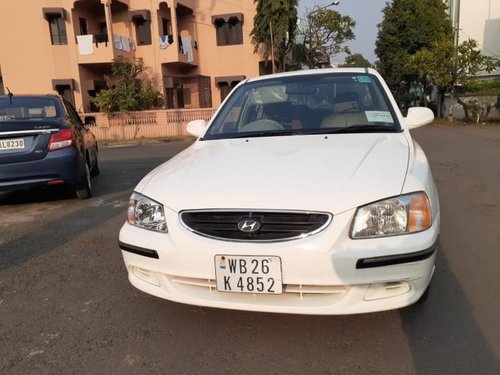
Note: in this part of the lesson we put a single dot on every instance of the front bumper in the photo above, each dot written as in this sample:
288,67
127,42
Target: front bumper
327,273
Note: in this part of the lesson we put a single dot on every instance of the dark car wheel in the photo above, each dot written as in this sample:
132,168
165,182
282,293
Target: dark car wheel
95,169
84,188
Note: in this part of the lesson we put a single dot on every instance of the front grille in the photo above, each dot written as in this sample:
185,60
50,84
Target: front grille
291,292
273,225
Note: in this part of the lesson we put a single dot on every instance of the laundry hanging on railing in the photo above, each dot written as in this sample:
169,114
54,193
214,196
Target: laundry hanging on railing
85,44
187,48
163,41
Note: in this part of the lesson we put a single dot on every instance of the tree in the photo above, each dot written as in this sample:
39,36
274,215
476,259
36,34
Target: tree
327,31
450,65
407,27
279,19
356,60
127,92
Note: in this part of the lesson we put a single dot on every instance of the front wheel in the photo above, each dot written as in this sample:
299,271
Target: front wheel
95,169
84,187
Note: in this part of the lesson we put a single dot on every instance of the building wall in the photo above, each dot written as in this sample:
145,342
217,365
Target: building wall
222,61
478,20
29,62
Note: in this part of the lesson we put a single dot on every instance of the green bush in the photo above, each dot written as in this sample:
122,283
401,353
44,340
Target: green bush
126,91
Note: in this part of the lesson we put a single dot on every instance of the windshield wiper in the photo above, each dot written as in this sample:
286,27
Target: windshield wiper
364,129
267,133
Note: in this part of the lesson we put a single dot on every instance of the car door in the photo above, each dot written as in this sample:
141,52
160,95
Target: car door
86,137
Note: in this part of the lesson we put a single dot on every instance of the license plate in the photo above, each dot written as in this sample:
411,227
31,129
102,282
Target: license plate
12,144
248,274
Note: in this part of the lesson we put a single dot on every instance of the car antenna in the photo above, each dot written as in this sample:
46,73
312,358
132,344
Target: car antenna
10,95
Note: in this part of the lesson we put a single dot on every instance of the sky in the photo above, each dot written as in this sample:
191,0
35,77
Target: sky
366,13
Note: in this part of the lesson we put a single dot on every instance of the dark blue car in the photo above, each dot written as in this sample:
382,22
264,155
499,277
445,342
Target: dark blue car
44,142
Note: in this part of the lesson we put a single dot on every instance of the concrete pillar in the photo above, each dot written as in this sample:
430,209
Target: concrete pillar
175,30
109,19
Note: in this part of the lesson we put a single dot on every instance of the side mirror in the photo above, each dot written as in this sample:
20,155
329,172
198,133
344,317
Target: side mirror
197,128
89,120
418,116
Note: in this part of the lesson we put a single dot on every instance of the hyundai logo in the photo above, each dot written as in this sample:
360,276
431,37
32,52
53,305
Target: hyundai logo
249,225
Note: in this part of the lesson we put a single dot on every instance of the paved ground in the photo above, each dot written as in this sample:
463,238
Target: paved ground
66,305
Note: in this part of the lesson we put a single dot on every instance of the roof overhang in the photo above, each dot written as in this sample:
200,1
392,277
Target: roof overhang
54,12
227,17
140,14
228,80
63,82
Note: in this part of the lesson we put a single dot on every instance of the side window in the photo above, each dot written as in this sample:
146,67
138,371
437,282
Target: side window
232,116
57,28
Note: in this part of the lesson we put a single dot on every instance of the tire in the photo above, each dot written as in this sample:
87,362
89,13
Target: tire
84,188
95,171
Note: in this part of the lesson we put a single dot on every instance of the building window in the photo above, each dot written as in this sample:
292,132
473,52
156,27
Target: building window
187,92
66,92
83,26
142,22
265,67
227,84
57,27
229,29
65,88
166,26
143,32
225,89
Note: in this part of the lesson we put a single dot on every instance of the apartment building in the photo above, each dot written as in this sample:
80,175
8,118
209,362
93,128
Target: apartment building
478,20
195,50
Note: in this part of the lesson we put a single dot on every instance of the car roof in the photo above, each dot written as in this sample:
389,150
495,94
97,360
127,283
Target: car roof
314,72
32,96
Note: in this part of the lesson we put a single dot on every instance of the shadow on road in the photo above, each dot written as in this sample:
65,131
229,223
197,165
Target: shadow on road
57,233
111,191
48,194
442,332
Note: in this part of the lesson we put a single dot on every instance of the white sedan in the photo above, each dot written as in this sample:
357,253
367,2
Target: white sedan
305,194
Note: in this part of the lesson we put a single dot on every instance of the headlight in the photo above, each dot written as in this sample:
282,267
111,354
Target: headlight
399,215
146,213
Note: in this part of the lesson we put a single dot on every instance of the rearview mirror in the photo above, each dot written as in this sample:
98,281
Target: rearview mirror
89,120
419,116
197,128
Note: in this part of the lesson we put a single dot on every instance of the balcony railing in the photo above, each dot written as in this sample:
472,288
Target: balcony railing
147,124
178,50
98,49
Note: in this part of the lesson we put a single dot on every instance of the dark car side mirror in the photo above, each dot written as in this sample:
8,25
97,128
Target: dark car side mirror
89,120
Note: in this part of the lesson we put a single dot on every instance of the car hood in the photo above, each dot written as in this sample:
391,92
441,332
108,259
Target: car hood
332,173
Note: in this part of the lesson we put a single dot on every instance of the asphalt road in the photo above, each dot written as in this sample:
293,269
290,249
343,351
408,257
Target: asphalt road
66,305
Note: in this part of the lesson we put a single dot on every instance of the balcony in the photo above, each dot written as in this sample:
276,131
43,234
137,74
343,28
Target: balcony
103,51
173,53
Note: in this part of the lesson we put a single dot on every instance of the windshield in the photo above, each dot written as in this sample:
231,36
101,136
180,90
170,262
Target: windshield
306,104
19,108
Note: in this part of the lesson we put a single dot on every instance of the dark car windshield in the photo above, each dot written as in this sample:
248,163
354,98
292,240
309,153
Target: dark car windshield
306,104
22,108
